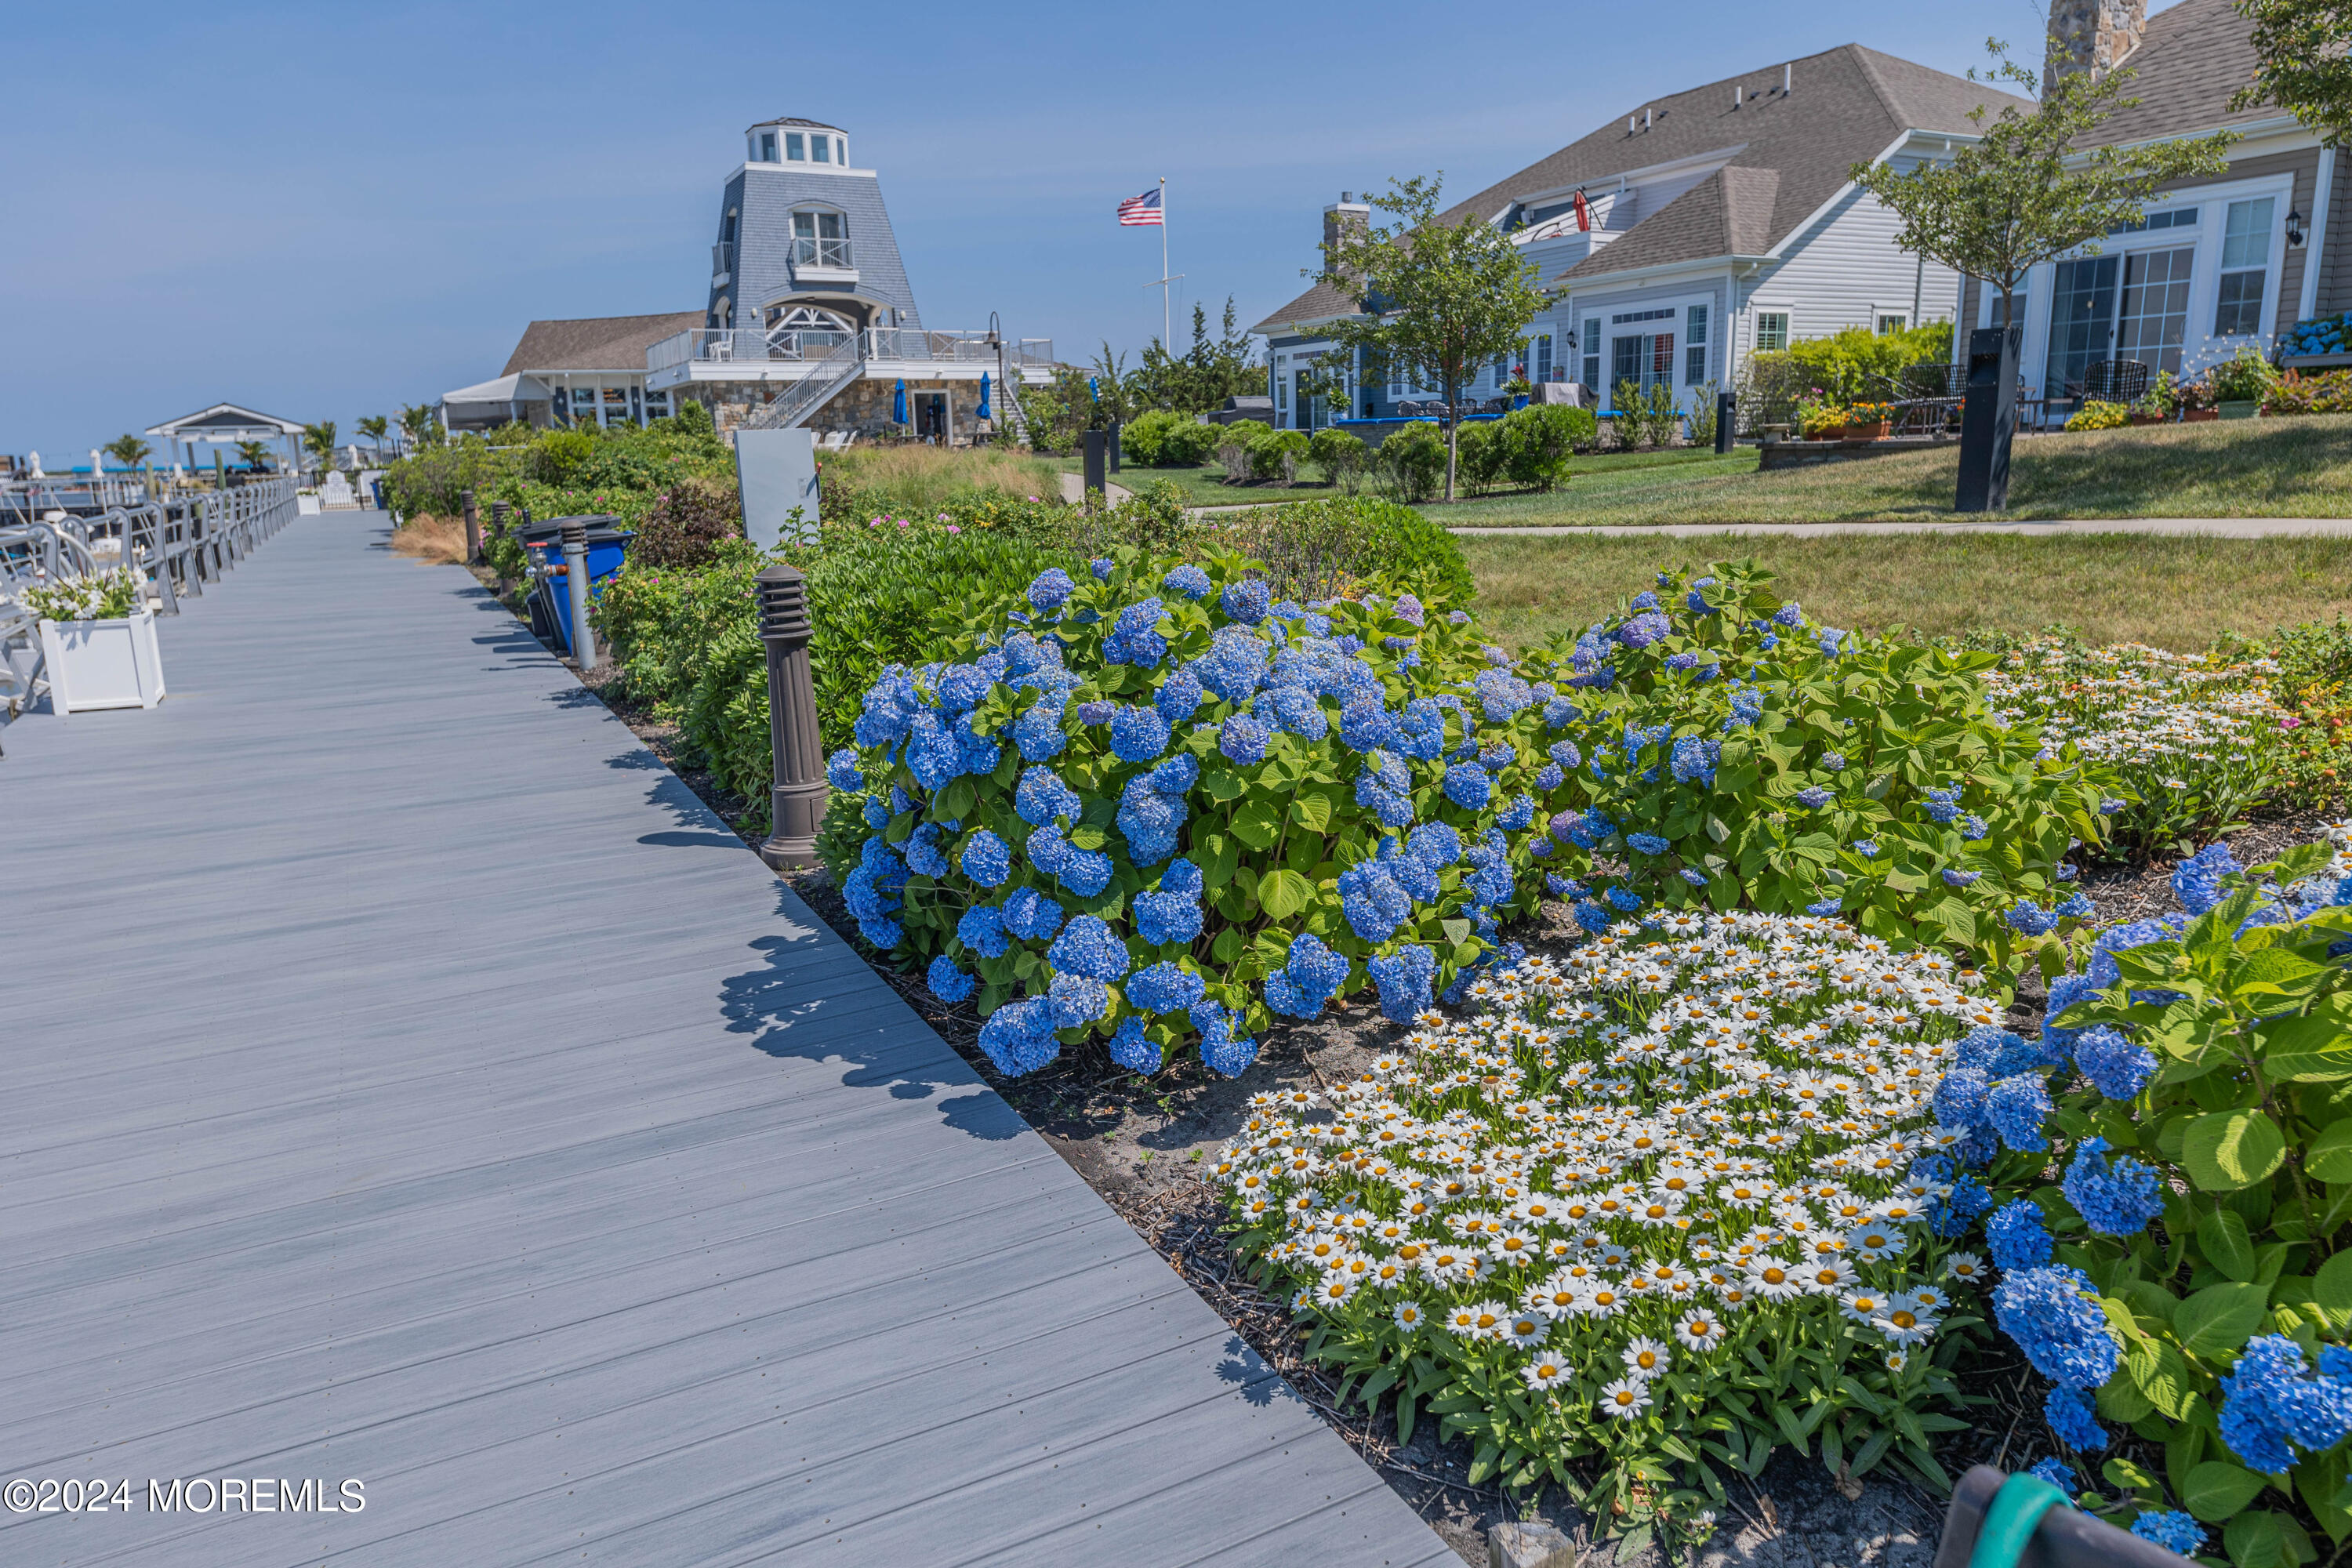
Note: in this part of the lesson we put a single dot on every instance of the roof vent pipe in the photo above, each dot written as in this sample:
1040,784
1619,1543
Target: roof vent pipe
1788,78
1645,119
1629,125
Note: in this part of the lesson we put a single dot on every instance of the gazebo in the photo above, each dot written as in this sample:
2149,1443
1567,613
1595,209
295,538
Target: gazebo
226,424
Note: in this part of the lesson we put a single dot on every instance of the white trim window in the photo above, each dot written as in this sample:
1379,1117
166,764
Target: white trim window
1772,331
2245,267
1695,346
1592,346
819,238
1893,322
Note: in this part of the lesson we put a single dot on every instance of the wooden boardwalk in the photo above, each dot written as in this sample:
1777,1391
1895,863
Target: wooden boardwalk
404,1079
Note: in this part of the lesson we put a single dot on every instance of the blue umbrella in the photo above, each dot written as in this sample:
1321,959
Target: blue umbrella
1092,390
898,403
981,412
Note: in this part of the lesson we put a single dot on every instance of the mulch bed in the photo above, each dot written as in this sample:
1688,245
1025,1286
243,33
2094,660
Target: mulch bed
1139,1143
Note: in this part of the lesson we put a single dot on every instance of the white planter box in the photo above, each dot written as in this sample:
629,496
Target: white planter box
103,663
306,503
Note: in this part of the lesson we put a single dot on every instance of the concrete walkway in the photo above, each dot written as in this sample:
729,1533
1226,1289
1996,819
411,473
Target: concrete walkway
2217,527
414,1095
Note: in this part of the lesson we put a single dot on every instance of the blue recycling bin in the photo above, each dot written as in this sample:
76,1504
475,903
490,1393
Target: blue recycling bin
608,546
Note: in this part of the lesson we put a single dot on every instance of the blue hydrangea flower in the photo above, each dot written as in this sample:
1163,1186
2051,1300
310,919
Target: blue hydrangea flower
1086,873
1788,615
1138,734
1373,902
923,854
1078,1000
1130,1047
1831,641
1222,1050
1645,599
1165,987
1959,1207
1042,797
1834,761
1246,601
1813,796
1093,713
1030,915
1179,697
2030,919
1038,733
2110,808
1403,978
1305,984
1624,899
1824,906
840,770
1943,805
1694,759
2056,1472
948,982
1164,917
2253,1423
2069,1413
987,859
1502,696
1435,844
1594,918
1468,786
2174,1530
1867,847
1959,1097
1101,566
1019,1037
1134,637
1244,739
1960,879
1234,664
1694,876
2116,1067
1648,843
2016,1236
1049,589
1295,711
1642,630
1973,828
1190,580
2115,1197
1088,946
2201,880
2017,1106
2053,1315
981,930
877,814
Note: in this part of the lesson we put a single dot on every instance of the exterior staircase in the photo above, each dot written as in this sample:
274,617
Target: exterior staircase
812,391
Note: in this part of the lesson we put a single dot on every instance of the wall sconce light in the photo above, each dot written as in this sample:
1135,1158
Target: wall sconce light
2295,228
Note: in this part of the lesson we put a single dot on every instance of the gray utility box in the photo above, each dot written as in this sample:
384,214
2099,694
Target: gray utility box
775,475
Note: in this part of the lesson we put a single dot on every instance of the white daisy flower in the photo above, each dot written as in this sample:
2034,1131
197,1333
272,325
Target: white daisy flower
1625,1399
1546,1374
1645,1357
1698,1330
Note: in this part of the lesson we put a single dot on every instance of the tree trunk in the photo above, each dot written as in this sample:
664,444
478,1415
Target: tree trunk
1452,438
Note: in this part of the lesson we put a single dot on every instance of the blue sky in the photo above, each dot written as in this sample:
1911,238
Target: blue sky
326,211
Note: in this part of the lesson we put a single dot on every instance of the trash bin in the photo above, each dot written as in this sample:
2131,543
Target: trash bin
542,541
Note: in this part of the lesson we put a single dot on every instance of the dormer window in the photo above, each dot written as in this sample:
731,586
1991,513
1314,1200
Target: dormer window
820,239
795,147
820,149
767,146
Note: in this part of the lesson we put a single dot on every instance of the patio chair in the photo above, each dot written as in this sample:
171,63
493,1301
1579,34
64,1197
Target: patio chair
2114,381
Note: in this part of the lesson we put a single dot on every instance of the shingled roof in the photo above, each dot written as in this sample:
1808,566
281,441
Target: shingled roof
2190,61
1785,155
597,343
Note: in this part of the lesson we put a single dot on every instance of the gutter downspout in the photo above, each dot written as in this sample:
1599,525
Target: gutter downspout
2316,247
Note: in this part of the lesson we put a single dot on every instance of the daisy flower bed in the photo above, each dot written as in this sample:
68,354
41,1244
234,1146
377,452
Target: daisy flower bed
1667,1201
2194,739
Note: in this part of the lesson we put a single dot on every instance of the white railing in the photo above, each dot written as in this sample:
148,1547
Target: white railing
802,397
807,252
731,345
965,348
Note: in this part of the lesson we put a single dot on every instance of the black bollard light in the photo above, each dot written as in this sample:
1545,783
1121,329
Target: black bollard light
796,801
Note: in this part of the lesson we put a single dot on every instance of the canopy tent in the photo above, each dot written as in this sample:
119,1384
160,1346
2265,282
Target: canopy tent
489,403
227,424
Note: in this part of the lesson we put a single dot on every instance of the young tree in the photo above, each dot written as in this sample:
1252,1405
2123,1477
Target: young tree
128,450
2033,188
318,440
2305,63
256,455
1204,375
1440,298
376,427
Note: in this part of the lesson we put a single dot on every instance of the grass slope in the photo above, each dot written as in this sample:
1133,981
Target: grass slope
2175,592
2265,467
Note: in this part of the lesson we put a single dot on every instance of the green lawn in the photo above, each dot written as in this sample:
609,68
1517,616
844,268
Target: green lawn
2266,467
2174,591
1205,484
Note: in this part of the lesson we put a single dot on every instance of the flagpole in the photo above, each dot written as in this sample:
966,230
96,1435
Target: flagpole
1167,320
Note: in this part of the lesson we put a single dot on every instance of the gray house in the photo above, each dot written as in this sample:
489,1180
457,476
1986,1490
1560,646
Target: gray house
578,372
811,319
1713,224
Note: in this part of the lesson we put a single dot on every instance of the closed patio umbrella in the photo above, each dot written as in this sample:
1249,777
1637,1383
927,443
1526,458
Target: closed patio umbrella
898,403
981,412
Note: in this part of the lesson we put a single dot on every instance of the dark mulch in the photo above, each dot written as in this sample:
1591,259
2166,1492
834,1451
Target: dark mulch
1139,1143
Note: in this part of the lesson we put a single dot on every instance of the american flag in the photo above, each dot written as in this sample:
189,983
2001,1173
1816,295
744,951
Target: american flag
1142,209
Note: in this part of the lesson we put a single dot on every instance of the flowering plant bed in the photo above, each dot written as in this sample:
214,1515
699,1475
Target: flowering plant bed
2192,740
1664,1201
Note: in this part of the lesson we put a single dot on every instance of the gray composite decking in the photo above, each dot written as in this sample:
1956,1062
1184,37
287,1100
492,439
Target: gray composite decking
403,1078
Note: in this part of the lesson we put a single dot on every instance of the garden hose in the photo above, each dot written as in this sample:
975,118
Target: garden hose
2015,1514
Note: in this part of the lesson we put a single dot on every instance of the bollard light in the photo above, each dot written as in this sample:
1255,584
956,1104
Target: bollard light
473,529
576,576
796,802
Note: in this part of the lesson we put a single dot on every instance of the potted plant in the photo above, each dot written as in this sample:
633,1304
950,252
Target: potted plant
1868,421
97,641
2240,383
2157,404
2097,415
1821,421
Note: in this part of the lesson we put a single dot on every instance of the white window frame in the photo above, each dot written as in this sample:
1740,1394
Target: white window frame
818,211
1788,318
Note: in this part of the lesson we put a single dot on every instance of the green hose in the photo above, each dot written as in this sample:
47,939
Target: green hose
2015,1514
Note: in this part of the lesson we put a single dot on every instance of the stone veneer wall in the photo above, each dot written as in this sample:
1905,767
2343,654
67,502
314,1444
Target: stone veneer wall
2092,35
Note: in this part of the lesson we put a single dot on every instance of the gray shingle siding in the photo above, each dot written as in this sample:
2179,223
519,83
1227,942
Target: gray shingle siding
767,196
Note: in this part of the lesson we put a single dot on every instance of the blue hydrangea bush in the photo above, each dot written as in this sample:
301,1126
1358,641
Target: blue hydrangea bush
1154,804
1670,1199
1712,745
2188,1274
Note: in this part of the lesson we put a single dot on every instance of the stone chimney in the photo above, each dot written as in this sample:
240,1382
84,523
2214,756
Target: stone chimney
2090,35
1355,215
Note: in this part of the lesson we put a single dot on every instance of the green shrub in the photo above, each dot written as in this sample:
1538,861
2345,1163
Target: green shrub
1259,795
1162,439
2244,377
2204,1082
1275,455
1412,460
1483,453
2099,417
1342,455
1328,547
557,455
685,522
1542,437
1752,758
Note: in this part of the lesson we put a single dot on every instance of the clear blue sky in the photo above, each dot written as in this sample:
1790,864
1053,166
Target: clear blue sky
324,211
